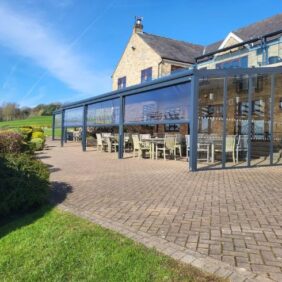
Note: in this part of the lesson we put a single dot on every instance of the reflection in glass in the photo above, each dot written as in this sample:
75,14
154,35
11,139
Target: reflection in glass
103,113
166,104
58,121
210,122
260,125
74,117
237,110
277,123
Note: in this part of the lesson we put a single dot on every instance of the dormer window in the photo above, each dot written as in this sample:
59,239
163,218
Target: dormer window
122,82
146,75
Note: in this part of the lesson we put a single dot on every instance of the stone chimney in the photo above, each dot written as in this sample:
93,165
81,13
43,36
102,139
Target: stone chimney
138,26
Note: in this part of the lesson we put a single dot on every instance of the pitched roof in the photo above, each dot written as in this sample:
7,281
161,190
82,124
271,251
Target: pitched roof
252,31
173,49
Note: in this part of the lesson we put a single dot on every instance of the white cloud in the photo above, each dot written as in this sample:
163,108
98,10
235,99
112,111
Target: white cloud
31,39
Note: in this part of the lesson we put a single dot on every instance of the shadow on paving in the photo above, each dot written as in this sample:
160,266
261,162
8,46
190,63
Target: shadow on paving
58,193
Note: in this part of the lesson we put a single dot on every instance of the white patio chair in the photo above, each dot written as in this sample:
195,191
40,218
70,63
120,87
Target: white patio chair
241,146
229,146
76,135
169,146
202,147
140,147
178,145
100,143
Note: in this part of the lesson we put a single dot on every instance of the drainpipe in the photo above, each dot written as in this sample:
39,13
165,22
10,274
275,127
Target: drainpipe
159,64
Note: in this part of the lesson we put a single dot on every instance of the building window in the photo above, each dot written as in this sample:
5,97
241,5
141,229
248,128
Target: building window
172,127
175,68
235,63
146,75
122,82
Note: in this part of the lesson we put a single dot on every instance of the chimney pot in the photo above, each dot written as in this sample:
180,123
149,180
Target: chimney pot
138,26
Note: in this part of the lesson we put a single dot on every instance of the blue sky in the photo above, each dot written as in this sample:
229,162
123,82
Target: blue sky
65,50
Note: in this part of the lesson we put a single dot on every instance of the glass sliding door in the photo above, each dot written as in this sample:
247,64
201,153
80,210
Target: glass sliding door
210,123
237,111
260,122
160,119
58,126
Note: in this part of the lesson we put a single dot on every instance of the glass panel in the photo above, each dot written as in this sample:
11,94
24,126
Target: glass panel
277,124
260,126
74,117
154,137
58,120
210,118
103,138
237,121
103,113
58,125
166,104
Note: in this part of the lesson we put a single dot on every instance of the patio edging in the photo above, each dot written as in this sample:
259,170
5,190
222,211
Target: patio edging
184,255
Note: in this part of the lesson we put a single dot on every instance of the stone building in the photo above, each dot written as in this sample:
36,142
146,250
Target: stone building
149,56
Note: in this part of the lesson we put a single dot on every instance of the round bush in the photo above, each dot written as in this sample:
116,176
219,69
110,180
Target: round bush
26,133
10,142
38,134
24,183
37,143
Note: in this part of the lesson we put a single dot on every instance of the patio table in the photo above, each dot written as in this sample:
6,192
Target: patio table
154,142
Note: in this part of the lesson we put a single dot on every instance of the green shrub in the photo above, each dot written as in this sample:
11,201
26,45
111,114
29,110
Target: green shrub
37,143
38,134
10,142
37,129
24,183
26,133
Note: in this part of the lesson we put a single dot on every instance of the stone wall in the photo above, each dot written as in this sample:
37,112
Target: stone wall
136,57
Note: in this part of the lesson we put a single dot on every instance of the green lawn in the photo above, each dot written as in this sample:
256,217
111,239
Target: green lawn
50,245
42,121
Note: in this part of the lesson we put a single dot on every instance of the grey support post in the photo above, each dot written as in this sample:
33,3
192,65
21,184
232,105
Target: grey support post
194,123
250,94
224,122
272,116
84,128
120,130
63,128
53,126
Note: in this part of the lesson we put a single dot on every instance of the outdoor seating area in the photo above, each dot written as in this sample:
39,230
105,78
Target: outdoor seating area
231,118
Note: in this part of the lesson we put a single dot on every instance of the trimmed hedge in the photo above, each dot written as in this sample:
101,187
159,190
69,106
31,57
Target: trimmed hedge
26,133
38,134
24,183
37,144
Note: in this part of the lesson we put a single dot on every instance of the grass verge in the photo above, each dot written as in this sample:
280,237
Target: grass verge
51,245
42,121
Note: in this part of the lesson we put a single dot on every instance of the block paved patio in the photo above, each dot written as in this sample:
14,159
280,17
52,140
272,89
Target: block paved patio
234,216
